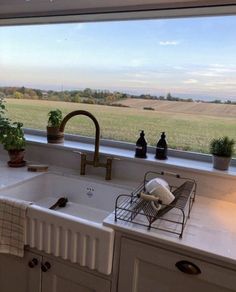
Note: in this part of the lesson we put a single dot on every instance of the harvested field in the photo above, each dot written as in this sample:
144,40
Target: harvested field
189,126
199,108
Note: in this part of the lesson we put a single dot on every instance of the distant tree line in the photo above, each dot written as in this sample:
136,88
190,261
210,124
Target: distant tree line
90,96
79,96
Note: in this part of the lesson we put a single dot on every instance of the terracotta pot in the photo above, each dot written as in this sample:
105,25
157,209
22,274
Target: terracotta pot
221,163
16,158
54,135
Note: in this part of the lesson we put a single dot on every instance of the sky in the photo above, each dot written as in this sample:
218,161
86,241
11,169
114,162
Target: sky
188,57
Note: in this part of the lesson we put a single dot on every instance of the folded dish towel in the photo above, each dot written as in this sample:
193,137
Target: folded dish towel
12,226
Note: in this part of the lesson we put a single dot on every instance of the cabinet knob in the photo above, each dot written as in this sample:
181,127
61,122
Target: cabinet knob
188,268
45,267
34,262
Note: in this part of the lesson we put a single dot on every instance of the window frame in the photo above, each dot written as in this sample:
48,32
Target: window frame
217,10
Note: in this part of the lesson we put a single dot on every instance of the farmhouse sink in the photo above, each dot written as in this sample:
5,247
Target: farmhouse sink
76,232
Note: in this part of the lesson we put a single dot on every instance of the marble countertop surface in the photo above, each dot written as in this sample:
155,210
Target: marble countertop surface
11,175
210,231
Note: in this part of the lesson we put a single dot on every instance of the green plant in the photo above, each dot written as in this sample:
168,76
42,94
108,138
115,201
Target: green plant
11,133
4,121
3,118
13,137
222,147
54,118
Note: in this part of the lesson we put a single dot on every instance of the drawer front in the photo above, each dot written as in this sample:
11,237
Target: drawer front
158,269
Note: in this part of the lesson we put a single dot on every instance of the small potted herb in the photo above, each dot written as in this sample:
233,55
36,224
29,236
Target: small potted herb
12,139
222,150
54,121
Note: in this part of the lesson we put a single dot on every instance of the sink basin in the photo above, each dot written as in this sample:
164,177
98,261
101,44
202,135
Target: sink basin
75,232
86,199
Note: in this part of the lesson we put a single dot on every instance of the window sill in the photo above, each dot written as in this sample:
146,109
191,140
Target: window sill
193,162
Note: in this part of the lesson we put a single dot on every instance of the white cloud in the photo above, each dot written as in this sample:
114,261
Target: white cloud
223,70
136,75
169,43
139,62
227,84
59,41
205,74
138,81
190,81
214,70
79,26
178,67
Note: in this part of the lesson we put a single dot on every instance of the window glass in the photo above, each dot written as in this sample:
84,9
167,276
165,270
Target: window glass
172,75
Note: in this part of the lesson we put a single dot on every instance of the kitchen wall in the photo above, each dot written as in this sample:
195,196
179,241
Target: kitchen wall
214,185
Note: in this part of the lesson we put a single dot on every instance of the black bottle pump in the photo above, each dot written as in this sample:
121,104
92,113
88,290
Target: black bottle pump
141,146
161,149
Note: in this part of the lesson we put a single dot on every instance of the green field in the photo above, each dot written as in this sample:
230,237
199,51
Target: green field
187,131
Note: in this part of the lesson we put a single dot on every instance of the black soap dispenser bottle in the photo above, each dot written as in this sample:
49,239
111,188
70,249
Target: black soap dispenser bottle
141,146
161,149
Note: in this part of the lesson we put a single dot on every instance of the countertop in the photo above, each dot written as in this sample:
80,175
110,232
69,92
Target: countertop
210,230
10,175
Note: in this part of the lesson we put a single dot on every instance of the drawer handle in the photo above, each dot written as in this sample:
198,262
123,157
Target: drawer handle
45,267
33,263
188,268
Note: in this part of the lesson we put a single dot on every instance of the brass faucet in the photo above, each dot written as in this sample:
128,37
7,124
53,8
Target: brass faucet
95,162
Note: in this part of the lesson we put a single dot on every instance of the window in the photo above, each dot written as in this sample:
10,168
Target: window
172,75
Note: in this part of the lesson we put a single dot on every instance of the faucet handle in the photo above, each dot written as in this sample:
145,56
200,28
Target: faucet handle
108,168
116,158
83,161
113,158
82,154
78,152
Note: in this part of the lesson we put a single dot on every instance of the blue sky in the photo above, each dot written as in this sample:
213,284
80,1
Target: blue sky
188,57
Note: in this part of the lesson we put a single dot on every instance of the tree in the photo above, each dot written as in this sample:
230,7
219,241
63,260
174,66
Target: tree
22,90
2,95
168,96
18,95
88,92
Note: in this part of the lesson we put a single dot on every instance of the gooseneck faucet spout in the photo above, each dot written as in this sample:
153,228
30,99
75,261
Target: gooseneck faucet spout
84,161
97,127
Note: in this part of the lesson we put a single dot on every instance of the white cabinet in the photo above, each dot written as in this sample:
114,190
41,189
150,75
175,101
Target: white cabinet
147,268
17,275
61,277
37,273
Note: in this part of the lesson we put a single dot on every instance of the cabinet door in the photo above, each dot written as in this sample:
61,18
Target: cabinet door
62,277
146,268
20,274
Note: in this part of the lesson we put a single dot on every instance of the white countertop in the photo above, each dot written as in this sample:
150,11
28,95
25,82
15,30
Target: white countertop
210,231
10,175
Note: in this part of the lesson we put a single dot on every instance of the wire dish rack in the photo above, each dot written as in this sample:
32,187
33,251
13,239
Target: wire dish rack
170,218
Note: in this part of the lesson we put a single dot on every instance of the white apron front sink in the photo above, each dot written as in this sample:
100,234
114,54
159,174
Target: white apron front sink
76,232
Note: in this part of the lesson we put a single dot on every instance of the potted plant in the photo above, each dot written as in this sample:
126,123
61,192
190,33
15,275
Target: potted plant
53,133
12,139
222,150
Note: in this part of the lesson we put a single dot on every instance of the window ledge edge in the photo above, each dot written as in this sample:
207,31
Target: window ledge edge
195,162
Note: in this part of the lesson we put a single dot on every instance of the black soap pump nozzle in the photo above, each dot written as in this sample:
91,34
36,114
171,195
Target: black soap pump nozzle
141,146
161,149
